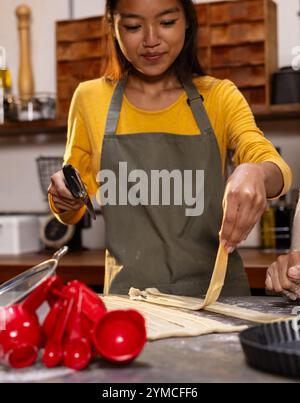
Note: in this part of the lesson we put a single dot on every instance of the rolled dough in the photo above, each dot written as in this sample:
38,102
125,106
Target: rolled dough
152,295
164,322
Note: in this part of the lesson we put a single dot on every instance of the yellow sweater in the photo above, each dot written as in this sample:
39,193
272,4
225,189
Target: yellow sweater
229,113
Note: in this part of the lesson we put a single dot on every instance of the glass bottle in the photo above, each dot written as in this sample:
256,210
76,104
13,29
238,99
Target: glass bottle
5,85
268,228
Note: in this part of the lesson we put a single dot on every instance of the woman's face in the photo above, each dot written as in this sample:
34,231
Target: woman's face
151,33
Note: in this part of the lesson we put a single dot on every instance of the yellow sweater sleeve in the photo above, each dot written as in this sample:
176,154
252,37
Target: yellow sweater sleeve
245,138
77,153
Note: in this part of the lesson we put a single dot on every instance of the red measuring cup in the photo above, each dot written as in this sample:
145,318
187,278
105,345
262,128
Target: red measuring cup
120,336
21,339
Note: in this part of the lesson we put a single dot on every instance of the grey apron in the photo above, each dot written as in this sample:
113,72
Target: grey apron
160,246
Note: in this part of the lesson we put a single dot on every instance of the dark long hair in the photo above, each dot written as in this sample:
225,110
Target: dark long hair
186,65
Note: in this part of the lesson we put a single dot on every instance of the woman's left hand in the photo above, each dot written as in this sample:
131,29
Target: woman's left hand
244,202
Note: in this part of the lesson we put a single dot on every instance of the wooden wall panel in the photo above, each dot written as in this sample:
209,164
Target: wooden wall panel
237,40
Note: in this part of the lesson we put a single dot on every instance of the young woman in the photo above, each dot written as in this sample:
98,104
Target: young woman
155,109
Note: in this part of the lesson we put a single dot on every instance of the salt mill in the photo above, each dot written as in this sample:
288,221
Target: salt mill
25,81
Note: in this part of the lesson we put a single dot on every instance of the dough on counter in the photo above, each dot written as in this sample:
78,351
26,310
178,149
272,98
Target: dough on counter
153,296
164,322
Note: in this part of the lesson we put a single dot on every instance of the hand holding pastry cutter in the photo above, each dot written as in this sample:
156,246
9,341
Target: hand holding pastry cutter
77,188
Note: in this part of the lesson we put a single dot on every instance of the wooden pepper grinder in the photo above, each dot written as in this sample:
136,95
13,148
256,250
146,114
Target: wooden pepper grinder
25,82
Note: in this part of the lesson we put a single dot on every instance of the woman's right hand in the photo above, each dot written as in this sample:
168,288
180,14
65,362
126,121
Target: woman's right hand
61,196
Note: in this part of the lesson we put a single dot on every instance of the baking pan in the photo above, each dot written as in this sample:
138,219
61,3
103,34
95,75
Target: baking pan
274,347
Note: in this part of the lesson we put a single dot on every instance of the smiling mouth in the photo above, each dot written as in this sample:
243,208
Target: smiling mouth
153,57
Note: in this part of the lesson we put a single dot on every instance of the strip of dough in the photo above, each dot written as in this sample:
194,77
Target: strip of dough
216,283
213,292
153,296
218,278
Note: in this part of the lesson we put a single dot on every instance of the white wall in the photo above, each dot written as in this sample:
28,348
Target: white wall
21,192
288,29
88,8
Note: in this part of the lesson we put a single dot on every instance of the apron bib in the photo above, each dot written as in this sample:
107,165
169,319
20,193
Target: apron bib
161,246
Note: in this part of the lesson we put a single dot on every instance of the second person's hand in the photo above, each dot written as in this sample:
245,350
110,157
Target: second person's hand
283,276
244,202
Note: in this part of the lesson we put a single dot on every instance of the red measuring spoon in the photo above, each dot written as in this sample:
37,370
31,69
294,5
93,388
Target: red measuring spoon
53,352
43,293
93,309
50,320
92,305
77,351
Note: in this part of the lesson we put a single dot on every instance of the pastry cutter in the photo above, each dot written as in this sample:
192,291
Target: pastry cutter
77,188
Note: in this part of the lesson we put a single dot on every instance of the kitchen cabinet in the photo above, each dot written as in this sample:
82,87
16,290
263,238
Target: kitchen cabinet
236,41
88,266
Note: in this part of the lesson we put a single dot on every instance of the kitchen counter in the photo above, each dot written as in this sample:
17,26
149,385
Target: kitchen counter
211,358
88,266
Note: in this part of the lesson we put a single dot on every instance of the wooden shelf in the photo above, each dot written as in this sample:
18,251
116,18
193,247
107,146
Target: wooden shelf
33,128
276,112
59,127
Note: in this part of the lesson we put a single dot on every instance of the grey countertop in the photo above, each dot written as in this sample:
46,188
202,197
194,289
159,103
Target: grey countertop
211,358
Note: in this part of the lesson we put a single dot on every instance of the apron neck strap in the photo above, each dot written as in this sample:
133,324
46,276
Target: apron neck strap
115,108
195,101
